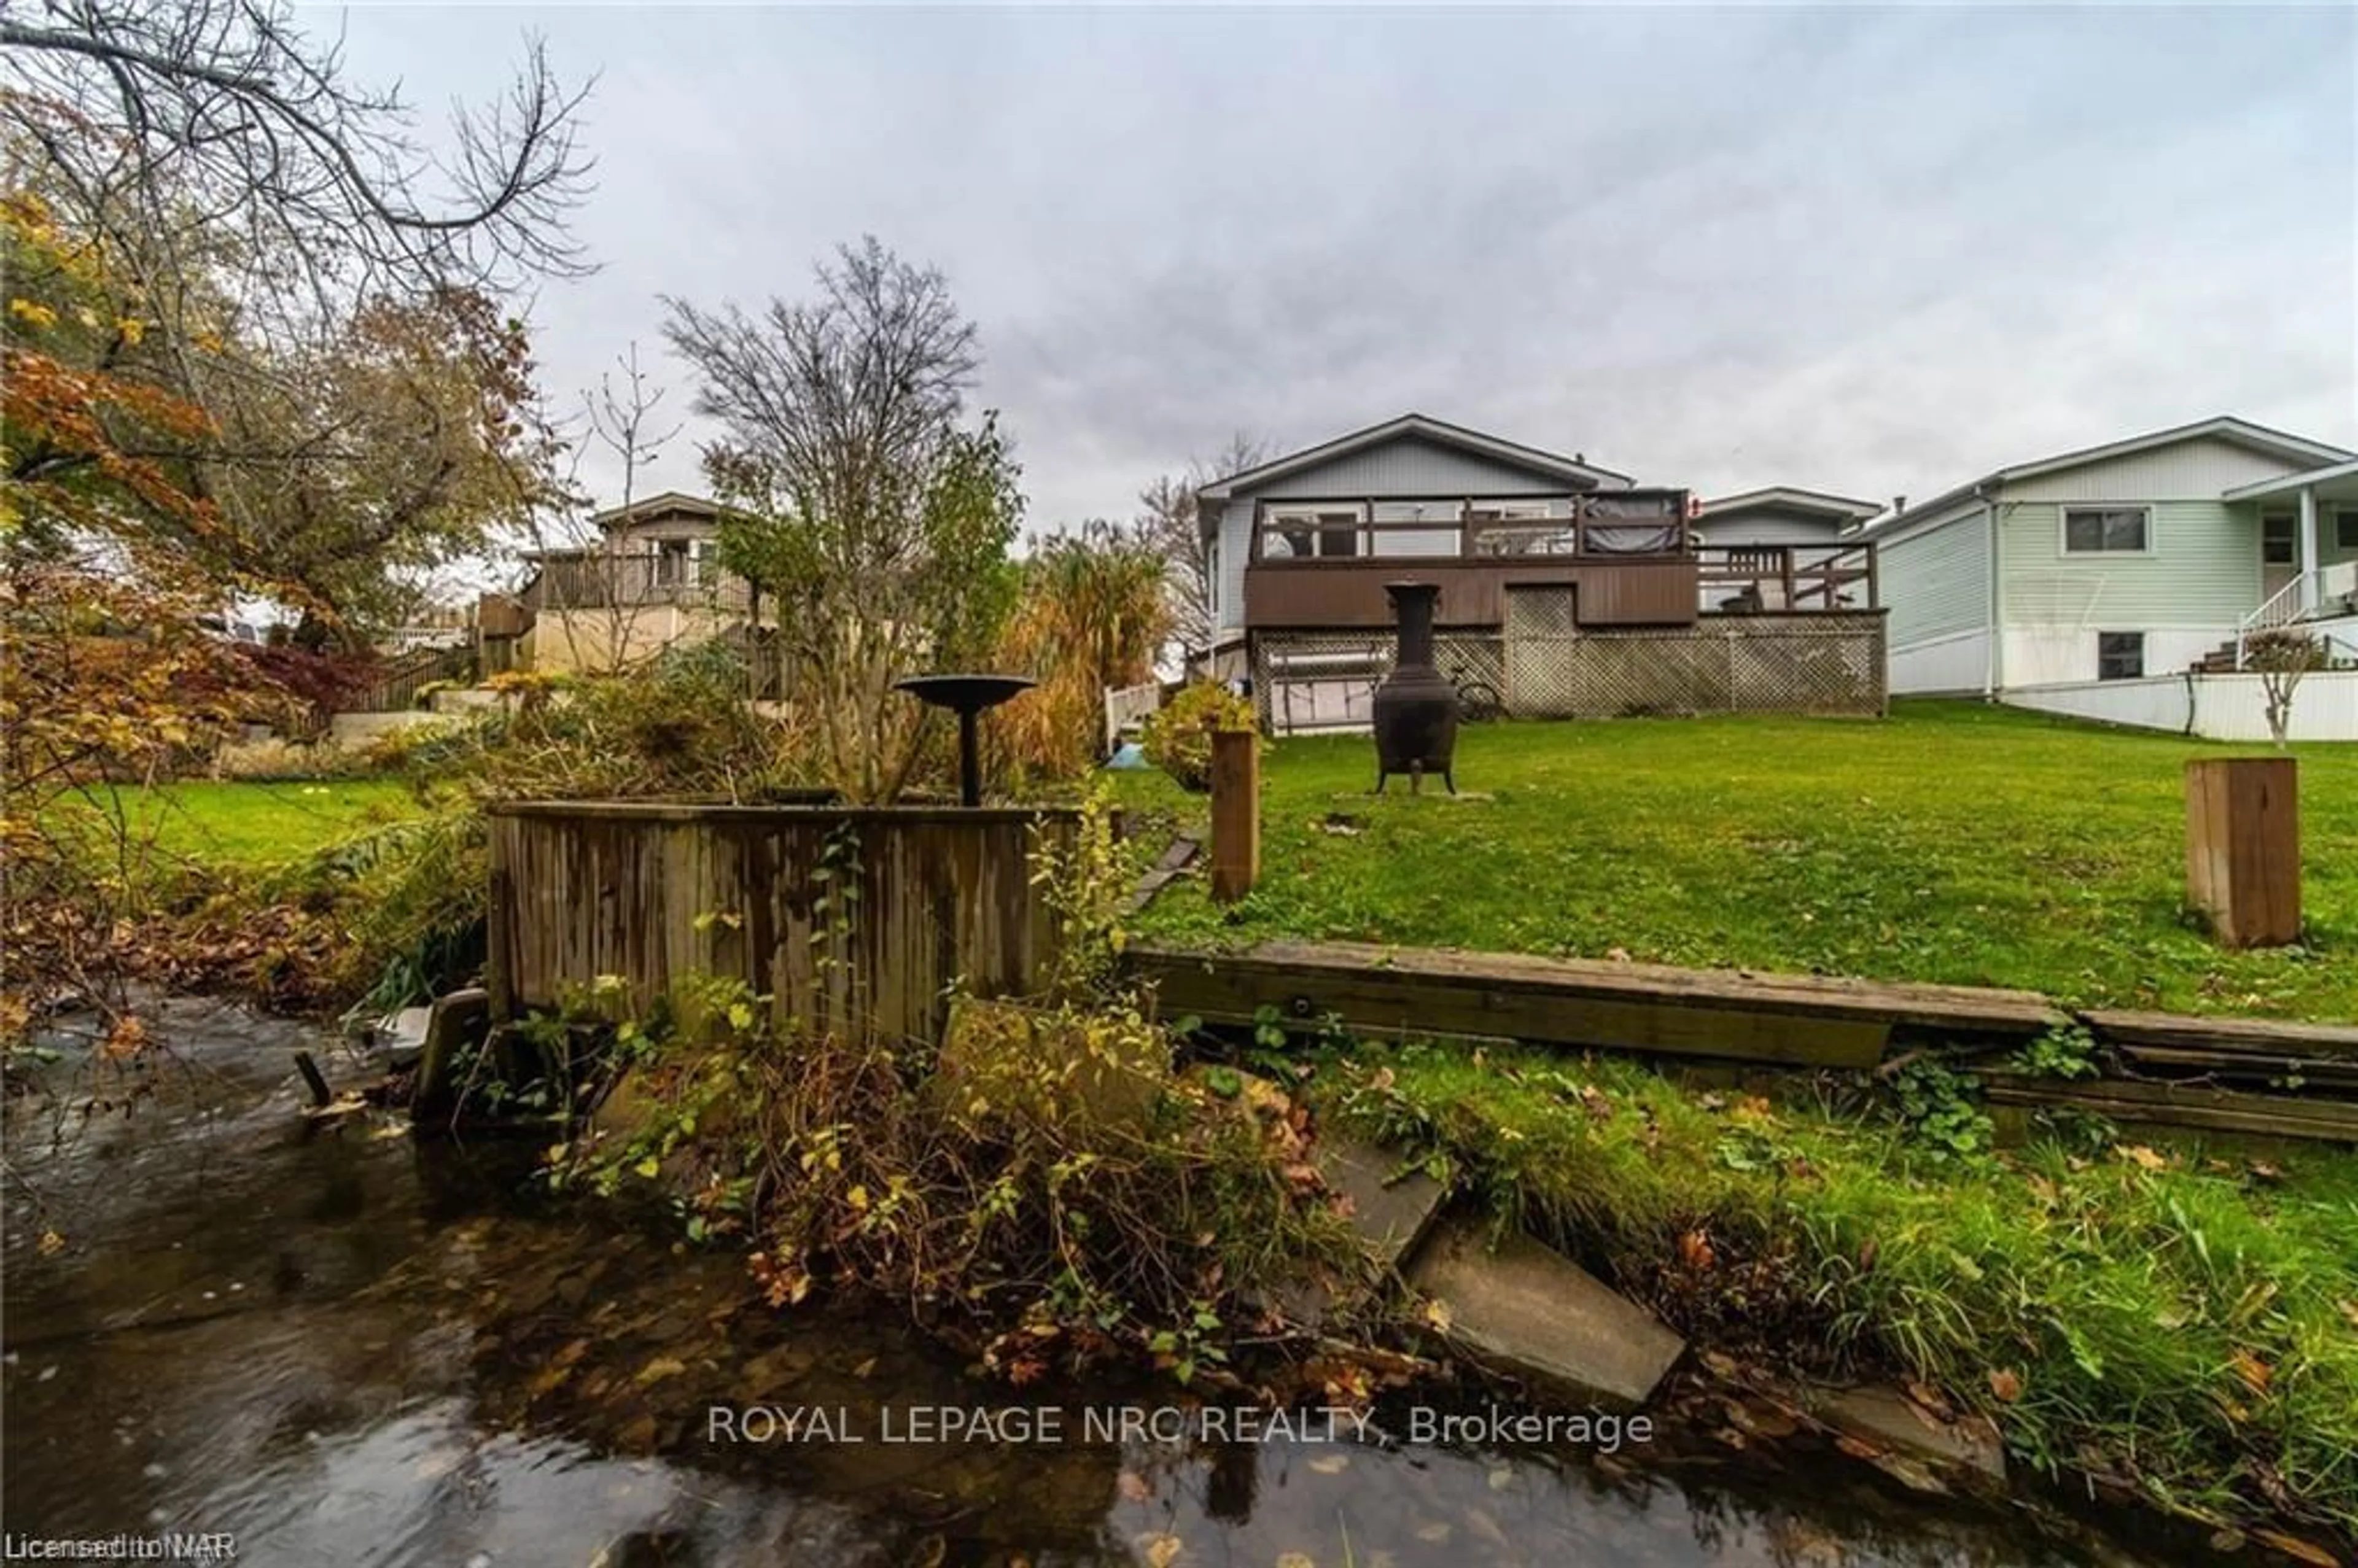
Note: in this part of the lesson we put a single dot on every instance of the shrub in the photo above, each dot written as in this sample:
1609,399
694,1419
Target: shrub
281,759
1179,737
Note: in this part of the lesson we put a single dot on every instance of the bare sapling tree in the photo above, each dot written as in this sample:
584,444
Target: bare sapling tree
1171,521
860,501
2281,658
604,584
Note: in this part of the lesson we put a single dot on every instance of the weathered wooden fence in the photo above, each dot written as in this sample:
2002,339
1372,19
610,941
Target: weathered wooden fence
852,919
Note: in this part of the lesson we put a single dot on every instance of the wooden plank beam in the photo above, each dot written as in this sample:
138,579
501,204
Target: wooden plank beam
2270,1036
1547,1001
2196,1105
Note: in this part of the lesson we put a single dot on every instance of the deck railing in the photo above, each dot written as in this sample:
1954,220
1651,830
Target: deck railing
1789,576
599,579
395,687
1621,523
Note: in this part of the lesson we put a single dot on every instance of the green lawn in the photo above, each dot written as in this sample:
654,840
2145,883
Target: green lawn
1951,842
251,826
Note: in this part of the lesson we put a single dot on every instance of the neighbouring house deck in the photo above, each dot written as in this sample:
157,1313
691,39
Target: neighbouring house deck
1621,558
594,579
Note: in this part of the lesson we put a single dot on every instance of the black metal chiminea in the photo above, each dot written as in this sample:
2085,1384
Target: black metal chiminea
967,695
1416,707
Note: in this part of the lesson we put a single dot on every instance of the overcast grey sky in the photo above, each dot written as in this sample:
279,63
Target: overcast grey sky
1865,251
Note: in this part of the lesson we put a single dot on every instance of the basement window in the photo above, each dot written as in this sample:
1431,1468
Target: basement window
2120,655
2107,530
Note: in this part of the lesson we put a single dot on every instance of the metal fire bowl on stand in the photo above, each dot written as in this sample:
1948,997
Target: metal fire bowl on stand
967,696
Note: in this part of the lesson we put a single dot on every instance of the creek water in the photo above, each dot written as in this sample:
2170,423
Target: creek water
352,1347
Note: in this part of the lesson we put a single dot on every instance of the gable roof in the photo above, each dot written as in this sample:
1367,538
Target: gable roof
2332,474
1844,508
1422,428
2226,427
656,506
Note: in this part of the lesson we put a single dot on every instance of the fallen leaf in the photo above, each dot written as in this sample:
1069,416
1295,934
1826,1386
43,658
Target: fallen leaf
2143,1156
1694,1247
1436,1313
2254,1373
1160,1550
1502,1478
662,1366
1135,1487
1435,1532
1295,1560
2006,1385
1331,1464
52,1244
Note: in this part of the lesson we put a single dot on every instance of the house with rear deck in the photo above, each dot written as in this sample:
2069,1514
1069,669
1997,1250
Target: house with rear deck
1567,589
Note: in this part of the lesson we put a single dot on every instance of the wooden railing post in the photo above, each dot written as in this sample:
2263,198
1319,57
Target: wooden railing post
1235,814
2243,849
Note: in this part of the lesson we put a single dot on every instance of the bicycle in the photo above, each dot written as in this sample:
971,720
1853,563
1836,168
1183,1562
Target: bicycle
1478,701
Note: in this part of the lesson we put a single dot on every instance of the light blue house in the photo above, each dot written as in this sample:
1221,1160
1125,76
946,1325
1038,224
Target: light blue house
2135,560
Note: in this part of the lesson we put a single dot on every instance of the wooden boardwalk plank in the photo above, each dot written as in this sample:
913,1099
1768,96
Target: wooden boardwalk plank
2198,1106
1376,990
2266,1036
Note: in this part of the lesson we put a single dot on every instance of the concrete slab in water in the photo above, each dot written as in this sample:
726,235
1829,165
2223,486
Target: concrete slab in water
1886,1417
1391,1216
1535,1314
401,1036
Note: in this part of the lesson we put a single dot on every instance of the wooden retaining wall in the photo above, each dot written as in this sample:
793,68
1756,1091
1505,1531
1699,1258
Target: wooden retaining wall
1795,1019
2244,1076
852,919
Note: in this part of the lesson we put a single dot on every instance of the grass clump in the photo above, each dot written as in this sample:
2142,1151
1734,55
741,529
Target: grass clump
2183,1325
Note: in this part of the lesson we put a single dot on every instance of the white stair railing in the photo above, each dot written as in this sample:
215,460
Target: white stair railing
2281,608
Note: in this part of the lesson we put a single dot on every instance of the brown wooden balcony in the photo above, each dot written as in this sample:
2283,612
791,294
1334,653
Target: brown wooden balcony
606,579
1630,556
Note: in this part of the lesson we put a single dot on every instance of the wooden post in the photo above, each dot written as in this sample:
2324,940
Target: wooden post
2243,849
1235,814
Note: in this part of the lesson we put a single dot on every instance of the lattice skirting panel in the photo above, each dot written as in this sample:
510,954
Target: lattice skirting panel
1833,664
1306,681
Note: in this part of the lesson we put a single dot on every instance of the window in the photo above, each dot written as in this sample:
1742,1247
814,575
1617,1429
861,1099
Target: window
2279,546
2346,526
2104,530
1338,534
2120,655
1297,535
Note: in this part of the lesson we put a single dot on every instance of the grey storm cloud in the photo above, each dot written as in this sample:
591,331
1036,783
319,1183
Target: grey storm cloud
1866,251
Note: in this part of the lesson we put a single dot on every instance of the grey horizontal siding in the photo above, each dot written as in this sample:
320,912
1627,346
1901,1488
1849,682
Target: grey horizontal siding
1936,583
1411,467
